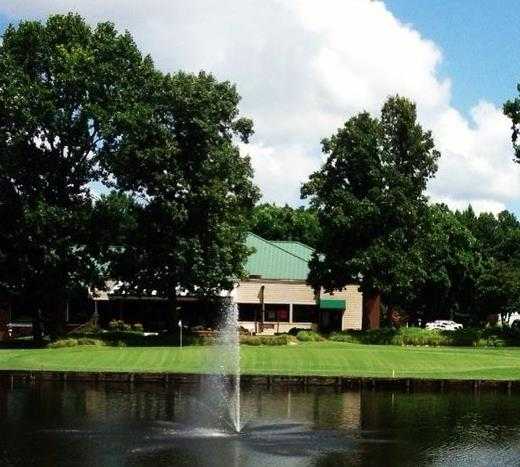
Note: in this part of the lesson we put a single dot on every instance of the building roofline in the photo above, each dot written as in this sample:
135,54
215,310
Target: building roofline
270,242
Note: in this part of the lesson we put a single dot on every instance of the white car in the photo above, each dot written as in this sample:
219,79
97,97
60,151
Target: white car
444,325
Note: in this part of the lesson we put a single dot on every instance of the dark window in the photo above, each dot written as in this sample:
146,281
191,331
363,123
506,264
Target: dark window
277,312
305,314
246,311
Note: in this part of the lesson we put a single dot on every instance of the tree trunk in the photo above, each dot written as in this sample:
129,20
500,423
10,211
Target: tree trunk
371,309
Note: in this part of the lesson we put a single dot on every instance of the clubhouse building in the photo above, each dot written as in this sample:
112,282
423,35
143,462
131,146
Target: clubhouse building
274,298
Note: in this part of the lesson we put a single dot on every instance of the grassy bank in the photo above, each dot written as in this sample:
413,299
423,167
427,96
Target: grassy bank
309,358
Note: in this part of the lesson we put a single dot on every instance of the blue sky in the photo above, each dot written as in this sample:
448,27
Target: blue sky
304,67
480,42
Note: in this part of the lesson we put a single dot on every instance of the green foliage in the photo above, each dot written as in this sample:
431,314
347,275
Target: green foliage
512,110
264,340
369,196
309,336
446,269
294,331
68,94
497,286
274,222
119,325
197,188
471,337
70,342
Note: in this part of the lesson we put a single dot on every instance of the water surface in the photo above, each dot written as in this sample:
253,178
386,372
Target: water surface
75,424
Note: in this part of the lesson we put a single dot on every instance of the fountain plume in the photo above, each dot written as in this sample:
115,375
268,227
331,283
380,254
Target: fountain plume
228,340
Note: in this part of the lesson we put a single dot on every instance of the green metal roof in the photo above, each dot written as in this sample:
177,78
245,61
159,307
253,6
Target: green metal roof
296,248
277,260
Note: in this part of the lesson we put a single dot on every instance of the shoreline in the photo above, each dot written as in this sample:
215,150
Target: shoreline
338,382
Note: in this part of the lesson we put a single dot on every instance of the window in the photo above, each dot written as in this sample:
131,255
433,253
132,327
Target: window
246,311
305,314
277,312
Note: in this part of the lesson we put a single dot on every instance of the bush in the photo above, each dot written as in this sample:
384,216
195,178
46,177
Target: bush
199,340
70,342
119,325
491,337
294,331
309,336
137,327
281,339
89,341
62,343
87,328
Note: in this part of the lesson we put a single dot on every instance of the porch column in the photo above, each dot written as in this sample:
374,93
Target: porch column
290,313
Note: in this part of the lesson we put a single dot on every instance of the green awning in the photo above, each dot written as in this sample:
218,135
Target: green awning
332,304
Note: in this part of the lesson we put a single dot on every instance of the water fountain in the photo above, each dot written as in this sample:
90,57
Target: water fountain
228,340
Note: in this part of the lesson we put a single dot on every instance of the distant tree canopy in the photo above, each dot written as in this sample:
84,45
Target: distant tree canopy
369,196
446,267
498,243
274,222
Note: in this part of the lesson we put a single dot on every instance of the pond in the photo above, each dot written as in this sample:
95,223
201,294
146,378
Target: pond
80,424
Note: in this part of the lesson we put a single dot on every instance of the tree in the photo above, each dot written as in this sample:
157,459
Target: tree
369,196
499,288
498,239
447,267
512,110
195,189
68,93
274,222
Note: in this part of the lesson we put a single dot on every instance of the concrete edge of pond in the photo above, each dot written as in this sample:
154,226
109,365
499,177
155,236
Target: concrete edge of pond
339,382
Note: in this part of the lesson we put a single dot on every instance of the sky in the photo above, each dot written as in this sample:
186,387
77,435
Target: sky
304,67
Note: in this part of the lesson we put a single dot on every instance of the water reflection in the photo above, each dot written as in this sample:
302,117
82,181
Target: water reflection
54,424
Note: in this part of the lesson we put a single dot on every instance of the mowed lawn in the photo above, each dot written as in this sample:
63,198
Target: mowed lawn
324,358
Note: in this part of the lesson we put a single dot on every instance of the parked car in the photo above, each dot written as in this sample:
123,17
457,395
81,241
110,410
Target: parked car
444,325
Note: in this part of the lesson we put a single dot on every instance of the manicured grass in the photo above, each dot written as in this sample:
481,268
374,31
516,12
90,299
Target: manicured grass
321,358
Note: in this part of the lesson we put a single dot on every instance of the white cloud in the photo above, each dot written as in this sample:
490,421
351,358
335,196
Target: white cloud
281,170
303,67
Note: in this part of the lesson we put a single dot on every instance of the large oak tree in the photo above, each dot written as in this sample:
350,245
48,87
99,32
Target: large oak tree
68,94
370,199
195,191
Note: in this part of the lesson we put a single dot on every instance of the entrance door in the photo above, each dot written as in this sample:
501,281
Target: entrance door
330,320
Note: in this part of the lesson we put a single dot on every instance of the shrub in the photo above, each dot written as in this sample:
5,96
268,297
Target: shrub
62,343
137,327
421,337
87,328
199,340
309,336
294,331
71,342
118,325
90,341
281,339
250,340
